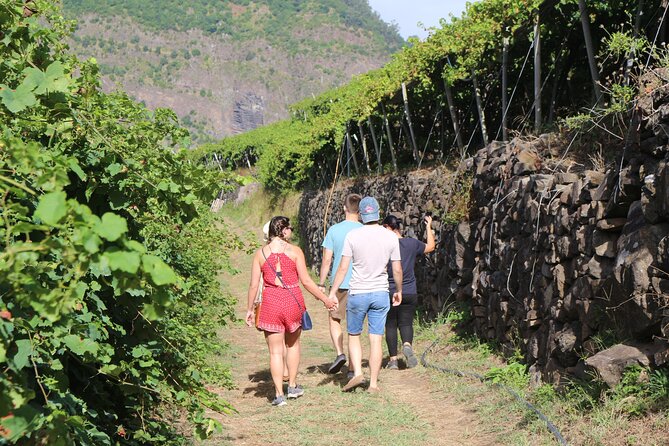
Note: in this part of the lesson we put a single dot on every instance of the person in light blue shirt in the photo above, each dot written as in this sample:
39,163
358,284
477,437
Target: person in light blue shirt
332,249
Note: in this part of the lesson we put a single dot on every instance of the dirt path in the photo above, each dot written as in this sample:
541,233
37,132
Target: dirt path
408,411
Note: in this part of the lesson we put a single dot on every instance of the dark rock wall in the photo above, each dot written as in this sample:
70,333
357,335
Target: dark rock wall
550,257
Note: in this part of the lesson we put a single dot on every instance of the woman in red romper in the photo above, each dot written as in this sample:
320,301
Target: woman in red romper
282,267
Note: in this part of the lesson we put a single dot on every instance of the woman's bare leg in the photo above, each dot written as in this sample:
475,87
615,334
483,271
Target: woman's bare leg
276,347
293,355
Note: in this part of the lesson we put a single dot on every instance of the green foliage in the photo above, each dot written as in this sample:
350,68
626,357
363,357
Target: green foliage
459,204
630,393
544,395
276,21
658,385
311,140
513,375
107,271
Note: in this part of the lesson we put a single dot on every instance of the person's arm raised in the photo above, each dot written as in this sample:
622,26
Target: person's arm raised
431,244
308,283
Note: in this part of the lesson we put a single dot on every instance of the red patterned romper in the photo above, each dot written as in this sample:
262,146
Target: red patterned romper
279,311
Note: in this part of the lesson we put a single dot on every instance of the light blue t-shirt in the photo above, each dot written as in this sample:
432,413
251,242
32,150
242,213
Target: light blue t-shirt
334,241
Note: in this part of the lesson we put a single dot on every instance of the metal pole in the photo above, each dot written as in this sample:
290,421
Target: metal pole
390,137
537,75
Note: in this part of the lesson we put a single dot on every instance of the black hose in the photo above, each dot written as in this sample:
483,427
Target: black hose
551,427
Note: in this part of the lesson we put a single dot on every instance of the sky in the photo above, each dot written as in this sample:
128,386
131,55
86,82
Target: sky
407,13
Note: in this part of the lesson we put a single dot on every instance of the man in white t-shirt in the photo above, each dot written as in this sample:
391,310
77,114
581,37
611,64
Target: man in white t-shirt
368,249
333,244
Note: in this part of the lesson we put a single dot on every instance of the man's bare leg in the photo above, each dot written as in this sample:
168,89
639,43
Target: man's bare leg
375,358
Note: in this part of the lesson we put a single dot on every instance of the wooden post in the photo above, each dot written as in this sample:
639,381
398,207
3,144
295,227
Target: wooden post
454,114
407,114
364,146
559,63
594,72
661,34
379,167
479,106
537,74
352,153
217,161
505,101
390,137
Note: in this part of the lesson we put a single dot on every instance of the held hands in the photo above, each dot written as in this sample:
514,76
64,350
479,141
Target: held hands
331,303
397,298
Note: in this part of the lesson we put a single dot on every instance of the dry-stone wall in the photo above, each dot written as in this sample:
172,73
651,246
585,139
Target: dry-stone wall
551,258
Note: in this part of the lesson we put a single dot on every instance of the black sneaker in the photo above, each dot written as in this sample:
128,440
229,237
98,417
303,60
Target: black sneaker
412,361
337,364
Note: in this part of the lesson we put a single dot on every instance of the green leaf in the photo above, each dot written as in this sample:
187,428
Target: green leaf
152,312
135,246
77,169
126,261
16,425
91,242
160,272
52,208
114,168
19,99
111,227
53,80
80,346
113,370
22,356
56,365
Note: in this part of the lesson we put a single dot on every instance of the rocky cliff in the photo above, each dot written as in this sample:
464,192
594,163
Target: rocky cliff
554,257
226,67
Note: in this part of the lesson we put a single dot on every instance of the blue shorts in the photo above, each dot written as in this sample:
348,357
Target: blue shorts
374,305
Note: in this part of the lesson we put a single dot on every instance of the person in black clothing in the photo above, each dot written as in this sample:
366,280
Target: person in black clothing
402,316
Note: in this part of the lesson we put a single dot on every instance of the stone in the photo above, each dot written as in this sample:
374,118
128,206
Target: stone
575,193
528,161
606,187
610,364
542,183
583,238
566,342
594,177
637,250
611,224
479,311
605,243
599,267
565,178
533,318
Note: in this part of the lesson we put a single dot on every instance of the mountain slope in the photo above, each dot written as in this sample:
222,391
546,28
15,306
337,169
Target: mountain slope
229,66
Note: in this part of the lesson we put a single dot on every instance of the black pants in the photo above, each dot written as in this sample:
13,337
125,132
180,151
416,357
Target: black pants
401,317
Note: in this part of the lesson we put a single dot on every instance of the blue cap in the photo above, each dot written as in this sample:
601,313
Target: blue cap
369,209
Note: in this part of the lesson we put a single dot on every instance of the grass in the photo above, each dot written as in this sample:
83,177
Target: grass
368,419
586,413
